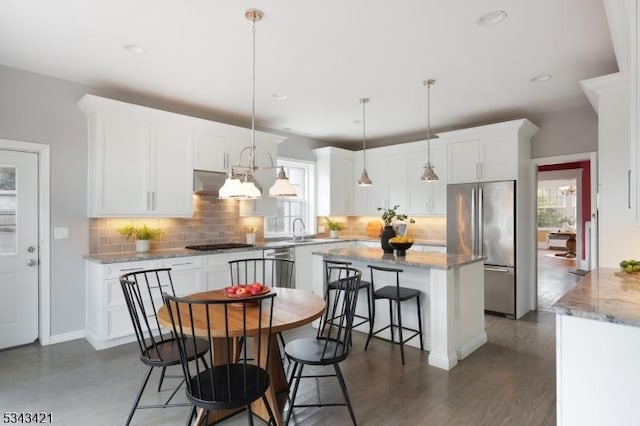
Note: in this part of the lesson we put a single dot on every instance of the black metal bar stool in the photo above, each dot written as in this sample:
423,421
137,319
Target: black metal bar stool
332,283
394,293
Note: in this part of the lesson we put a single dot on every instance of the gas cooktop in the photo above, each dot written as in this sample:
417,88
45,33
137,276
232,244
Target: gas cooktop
222,246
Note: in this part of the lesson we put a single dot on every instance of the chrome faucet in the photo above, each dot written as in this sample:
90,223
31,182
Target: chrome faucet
293,228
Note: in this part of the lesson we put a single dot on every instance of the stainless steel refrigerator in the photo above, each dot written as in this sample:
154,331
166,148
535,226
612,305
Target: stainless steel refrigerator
481,220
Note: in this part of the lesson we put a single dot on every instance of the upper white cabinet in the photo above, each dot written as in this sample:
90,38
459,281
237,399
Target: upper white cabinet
387,169
488,153
139,164
334,177
141,160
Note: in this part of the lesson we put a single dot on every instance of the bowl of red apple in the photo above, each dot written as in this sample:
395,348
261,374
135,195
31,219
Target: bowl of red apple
239,291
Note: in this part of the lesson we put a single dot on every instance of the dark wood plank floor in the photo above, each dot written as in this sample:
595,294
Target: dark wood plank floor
508,381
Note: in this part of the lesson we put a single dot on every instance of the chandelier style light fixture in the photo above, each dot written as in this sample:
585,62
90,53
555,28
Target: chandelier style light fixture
364,178
240,183
429,174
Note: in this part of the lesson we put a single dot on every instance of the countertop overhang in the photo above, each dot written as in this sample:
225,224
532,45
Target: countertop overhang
603,296
426,259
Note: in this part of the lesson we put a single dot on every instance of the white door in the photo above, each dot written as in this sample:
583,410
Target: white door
18,248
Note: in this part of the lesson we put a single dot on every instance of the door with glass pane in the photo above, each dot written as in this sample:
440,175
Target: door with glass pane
18,248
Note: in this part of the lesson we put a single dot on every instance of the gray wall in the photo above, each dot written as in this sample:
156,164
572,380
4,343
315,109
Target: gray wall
39,109
567,131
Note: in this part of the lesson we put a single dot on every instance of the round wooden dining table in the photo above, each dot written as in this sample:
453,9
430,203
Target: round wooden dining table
292,308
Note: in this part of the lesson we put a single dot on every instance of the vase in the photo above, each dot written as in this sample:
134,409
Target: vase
387,233
333,233
251,239
143,246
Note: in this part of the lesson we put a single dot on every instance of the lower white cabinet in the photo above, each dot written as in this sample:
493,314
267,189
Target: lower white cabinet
107,321
217,271
306,272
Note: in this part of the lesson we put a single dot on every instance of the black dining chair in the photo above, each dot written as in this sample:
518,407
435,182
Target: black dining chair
234,380
272,272
331,282
158,348
397,294
332,343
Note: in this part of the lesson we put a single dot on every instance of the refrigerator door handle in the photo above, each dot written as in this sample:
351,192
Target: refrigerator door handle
496,269
480,222
474,235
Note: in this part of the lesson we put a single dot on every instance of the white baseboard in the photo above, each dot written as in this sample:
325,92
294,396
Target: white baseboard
64,337
472,344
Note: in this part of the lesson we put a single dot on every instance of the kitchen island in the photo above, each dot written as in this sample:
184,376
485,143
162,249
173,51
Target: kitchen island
452,303
598,351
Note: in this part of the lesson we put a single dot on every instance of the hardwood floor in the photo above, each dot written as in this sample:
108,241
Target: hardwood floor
508,381
554,277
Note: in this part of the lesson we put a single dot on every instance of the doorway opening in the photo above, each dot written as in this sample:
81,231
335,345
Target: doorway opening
565,224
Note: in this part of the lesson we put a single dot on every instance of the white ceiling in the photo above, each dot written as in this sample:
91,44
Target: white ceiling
324,56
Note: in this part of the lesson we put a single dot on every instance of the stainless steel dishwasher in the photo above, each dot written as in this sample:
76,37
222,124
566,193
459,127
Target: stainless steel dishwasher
286,253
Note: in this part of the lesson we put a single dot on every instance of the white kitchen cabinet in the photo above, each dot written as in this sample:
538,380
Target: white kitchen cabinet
210,153
428,198
139,164
488,155
335,181
307,273
107,320
388,172
216,267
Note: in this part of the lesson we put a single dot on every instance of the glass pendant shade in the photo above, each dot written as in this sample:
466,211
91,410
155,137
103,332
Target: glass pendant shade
231,189
364,179
282,187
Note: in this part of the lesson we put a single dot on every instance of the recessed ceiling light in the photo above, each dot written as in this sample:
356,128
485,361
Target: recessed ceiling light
357,121
492,18
135,49
279,96
286,129
540,78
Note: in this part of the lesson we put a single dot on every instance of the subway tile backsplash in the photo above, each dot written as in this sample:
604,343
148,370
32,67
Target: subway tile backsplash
217,221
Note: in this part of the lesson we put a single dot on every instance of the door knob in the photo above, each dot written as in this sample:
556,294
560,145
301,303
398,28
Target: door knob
32,262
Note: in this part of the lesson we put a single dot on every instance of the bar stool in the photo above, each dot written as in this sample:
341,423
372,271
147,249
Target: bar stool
332,283
394,293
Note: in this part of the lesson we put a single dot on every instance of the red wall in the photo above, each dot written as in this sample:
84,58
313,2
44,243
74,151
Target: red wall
586,190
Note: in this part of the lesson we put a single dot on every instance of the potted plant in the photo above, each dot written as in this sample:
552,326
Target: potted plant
388,217
251,235
334,227
142,234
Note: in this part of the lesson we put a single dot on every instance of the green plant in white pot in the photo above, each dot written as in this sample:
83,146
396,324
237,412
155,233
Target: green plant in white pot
334,227
142,234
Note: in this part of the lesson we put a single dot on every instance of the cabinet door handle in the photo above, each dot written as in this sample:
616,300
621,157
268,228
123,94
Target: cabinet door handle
153,200
629,189
428,205
181,264
477,171
131,269
481,171
148,200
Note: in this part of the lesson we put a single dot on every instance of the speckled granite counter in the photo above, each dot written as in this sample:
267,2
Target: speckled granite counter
427,259
181,252
603,296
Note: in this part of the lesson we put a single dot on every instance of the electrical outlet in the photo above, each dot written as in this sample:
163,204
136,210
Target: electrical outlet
320,229
60,233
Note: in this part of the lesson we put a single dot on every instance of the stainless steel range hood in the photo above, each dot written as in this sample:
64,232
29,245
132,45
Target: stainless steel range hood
207,182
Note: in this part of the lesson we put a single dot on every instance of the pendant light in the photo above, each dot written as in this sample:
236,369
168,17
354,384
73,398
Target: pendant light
240,183
364,177
429,174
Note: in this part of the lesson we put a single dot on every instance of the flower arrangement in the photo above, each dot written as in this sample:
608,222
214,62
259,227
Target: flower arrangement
140,232
389,215
250,229
334,225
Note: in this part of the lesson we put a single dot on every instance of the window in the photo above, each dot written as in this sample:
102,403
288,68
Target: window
556,204
301,175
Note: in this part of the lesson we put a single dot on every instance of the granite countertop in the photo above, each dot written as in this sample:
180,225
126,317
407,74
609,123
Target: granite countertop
430,260
603,296
181,252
